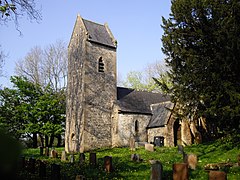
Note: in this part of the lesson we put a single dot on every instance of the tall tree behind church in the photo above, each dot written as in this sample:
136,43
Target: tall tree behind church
201,42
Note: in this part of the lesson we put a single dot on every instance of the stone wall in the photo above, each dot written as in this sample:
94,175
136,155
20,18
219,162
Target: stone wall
124,128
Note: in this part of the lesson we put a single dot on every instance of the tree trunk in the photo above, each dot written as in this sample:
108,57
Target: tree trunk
59,138
34,140
51,141
46,141
42,140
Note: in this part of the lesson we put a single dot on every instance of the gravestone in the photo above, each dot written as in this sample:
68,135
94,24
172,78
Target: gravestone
180,171
132,144
42,169
32,163
108,164
80,177
81,158
180,149
54,154
55,172
156,170
41,151
46,151
63,157
192,161
136,157
93,159
149,147
72,158
217,175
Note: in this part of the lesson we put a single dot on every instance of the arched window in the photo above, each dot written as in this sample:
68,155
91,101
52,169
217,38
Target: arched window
100,65
136,126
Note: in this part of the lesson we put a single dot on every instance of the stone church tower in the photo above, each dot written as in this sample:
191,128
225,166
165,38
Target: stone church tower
91,91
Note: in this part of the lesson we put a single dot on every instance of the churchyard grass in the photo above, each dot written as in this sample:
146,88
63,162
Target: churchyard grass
220,151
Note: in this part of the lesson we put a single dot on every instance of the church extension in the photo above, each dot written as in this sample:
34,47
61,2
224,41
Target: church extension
100,114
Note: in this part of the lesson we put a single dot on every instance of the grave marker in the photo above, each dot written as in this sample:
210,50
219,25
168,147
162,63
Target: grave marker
180,171
156,170
132,144
192,161
54,154
72,158
217,175
180,149
149,147
63,157
46,151
81,158
93,159
108,164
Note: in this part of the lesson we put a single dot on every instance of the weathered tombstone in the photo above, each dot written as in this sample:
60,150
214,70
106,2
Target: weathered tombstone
63,157
180,149
54,154
185,157
32,163
149,147
93,159
132,144
156,170
41,151
180,171
81,158
42,169
136,145
55,172
136,157
108,164
80,177
217,175
192,161
46,151
72,158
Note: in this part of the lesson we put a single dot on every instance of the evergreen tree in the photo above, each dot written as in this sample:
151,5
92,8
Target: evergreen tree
201,41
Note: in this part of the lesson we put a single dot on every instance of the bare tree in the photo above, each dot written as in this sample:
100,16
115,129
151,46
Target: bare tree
45,67
13,9
2,60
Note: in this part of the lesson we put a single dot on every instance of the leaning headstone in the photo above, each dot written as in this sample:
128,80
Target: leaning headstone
63,157
72,158
192,161
93,159
108,164
149,147
54,154
156,171
42,170
132,144
41,150
80,177
180,149
81,158
55,172
217,175
46,151
32,163
180,171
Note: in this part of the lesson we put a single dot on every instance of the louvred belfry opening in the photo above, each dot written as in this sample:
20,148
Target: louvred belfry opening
100,65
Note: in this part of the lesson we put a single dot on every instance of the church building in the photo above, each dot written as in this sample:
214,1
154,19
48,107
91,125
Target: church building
100,114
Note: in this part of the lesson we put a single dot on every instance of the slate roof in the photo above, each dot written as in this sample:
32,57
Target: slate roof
161,114
98,33
132,101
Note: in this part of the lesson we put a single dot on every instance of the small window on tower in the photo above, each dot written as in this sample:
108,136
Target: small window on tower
100,65
136,126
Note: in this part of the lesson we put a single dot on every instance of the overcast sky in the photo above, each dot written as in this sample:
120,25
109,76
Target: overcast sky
136,24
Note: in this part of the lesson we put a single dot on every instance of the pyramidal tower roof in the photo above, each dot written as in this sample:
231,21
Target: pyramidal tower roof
100,34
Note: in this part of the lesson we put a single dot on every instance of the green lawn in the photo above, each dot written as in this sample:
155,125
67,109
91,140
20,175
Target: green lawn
224,150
